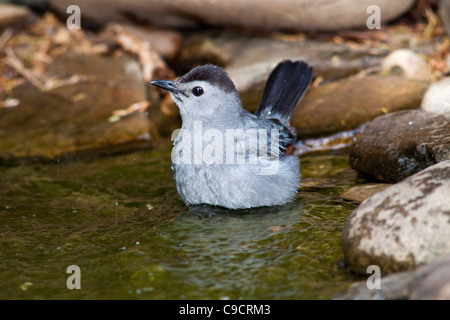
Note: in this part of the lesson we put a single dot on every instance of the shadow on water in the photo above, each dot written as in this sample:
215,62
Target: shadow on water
121,221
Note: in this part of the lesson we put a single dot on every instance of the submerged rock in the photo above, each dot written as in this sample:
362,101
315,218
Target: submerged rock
301,15
394,146
437,97
403,226
361,192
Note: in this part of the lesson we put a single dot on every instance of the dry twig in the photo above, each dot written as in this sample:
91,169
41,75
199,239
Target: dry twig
50,84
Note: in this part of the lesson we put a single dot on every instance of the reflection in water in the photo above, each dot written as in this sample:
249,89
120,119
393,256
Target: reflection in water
121,221
235,226
237,253
253,254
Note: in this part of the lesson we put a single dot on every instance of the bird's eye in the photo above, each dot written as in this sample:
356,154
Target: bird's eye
197,91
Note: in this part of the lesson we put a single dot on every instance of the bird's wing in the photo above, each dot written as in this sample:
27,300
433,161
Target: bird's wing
270,140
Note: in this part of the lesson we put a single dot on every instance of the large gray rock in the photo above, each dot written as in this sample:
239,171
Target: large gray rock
301,15
397,145
403,226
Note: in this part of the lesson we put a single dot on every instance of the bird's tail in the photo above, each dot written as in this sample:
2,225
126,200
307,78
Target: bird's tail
285,87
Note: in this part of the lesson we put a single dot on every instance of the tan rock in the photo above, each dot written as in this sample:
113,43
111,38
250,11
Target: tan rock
361,192
80,115
348,103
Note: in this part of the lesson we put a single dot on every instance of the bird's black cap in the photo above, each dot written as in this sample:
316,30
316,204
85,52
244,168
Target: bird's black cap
212,74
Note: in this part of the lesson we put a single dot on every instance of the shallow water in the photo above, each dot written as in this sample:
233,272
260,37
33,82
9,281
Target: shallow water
122,222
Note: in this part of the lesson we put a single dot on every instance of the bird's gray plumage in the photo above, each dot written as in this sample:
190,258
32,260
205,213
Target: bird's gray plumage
227,156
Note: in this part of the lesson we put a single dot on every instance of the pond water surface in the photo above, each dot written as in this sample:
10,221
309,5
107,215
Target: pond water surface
120,219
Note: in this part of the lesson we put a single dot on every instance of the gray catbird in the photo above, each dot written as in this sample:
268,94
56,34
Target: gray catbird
226,156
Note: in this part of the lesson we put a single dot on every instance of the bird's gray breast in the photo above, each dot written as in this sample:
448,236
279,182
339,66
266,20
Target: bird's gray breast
235,175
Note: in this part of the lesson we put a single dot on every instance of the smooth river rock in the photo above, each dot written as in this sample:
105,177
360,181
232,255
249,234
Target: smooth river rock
407,63
299,15
437,97
348,103
403,226
394,146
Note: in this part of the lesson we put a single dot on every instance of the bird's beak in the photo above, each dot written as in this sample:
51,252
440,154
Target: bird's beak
166,85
